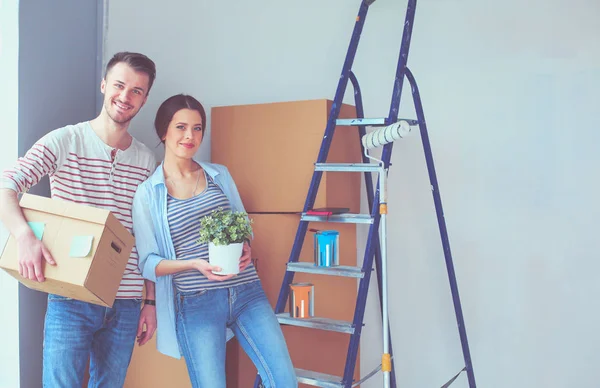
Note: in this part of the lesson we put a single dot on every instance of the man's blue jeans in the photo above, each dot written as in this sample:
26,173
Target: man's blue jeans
75,332
202,319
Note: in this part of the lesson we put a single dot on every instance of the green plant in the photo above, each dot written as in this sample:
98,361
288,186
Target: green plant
224,227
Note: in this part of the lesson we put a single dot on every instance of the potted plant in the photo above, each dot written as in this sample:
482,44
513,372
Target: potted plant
225,232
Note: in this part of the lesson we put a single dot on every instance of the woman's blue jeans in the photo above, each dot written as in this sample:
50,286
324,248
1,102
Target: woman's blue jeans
202,320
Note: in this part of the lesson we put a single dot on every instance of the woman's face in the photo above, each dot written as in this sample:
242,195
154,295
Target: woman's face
184,134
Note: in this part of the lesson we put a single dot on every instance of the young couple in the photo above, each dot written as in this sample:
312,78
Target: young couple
98,163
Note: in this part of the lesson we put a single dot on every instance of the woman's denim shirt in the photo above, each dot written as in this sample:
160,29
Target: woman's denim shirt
154,243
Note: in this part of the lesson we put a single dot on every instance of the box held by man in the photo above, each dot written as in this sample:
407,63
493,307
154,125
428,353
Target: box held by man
90,246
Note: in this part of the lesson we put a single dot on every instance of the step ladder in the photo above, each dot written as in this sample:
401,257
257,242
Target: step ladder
375,251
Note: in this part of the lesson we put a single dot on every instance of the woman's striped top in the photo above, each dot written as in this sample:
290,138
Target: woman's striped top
184,223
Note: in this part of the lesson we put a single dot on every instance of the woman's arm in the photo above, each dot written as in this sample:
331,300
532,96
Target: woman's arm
145,234
170,267
151,264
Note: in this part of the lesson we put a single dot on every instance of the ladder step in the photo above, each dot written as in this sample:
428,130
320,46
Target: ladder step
338,270
348,218
369,122
347,167
317,379
317,323
377,122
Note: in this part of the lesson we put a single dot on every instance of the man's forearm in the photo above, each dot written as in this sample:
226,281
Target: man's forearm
150,289
11,214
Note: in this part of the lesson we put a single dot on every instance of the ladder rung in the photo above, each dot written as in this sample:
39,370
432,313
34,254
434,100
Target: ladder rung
317,323
347,167
377,122
348,218
355,122
317,379
338,270
410,121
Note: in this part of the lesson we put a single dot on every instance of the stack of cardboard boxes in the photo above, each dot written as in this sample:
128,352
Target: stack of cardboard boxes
270,150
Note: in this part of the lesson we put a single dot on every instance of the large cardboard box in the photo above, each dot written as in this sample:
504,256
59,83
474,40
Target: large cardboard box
90,246
270,150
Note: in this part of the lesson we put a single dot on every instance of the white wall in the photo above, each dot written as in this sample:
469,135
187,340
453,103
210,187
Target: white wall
510,93
9,288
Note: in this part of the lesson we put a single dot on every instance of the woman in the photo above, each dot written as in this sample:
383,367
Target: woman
194,306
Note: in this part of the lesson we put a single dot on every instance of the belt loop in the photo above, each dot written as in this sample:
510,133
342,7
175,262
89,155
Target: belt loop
178,301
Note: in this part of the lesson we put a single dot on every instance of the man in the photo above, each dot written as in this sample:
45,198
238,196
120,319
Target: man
97,163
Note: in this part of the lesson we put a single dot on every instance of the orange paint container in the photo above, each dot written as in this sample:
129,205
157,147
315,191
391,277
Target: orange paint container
302,300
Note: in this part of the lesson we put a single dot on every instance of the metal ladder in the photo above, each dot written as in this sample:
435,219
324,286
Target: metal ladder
373,250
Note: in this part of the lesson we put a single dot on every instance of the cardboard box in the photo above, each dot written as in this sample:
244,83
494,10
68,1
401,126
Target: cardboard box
90,246
151,369
270,150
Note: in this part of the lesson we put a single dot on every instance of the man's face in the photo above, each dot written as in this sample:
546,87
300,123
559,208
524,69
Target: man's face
125,92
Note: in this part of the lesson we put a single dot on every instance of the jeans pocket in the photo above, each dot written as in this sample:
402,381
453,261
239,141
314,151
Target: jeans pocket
58,298
192,294
191,299
136,302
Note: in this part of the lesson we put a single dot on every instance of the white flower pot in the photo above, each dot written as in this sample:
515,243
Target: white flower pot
225,256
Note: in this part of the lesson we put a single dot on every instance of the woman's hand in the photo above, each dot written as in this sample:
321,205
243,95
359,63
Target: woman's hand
246,258
207,270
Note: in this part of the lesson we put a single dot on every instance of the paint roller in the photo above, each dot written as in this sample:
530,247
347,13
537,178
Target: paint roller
385,135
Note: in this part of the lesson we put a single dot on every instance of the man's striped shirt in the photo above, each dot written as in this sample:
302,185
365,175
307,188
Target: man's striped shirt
84,169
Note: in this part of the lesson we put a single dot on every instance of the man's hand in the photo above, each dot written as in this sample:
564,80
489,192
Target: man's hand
147,319
246,258
31,253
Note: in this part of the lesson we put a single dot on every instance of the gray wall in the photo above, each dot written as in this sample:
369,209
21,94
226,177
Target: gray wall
59,47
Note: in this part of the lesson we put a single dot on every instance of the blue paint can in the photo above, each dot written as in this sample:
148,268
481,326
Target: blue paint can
326,244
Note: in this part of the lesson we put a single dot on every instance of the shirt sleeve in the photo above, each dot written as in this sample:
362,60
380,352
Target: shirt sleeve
145,234
236,200
42,159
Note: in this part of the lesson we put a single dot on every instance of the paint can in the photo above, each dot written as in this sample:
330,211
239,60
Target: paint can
326,244
302,300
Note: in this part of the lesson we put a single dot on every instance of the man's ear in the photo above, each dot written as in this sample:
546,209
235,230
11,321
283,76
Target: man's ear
103,85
